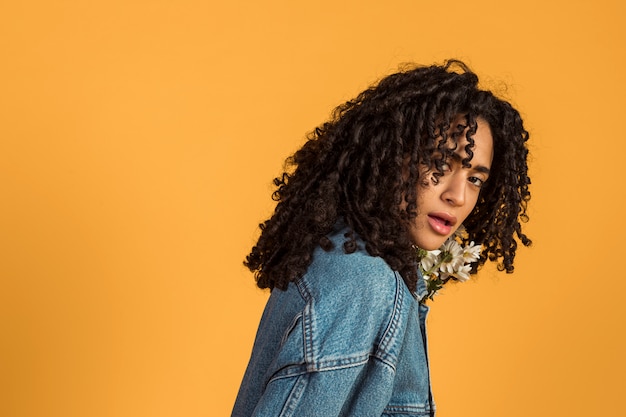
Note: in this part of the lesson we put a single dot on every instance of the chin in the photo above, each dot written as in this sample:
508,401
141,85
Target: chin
429,244
430,247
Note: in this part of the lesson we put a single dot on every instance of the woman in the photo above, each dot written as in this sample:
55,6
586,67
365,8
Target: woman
396,170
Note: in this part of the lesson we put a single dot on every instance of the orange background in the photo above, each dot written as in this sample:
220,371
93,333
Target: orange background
138,140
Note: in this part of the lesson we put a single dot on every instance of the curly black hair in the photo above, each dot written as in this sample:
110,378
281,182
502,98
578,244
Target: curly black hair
361,165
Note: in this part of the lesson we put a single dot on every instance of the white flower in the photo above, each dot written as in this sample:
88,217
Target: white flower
429,261
471,252
450,261
444,277
452,256
463,272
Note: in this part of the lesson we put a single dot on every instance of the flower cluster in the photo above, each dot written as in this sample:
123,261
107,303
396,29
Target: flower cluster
450,261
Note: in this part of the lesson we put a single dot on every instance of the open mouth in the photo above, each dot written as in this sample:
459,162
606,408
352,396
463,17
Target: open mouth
441,223
441,220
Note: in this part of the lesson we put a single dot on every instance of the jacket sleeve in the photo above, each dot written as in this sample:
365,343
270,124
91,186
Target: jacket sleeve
329,345
349,351
362,390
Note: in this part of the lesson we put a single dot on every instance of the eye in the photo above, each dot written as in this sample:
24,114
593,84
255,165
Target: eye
478,182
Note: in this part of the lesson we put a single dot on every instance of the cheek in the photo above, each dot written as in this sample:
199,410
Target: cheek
424,193
470,207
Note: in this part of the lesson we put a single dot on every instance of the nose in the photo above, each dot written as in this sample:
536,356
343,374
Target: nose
454,187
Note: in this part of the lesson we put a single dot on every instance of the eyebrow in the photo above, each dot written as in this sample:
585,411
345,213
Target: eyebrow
481,168
478,168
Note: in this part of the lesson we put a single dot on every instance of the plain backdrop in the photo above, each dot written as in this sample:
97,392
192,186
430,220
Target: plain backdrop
138,143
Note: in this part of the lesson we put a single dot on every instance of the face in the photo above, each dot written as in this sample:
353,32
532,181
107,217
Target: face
442,207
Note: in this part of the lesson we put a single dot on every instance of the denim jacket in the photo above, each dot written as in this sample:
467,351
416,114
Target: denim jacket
347,339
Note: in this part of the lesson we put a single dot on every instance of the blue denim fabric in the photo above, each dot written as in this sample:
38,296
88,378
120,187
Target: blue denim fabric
347,339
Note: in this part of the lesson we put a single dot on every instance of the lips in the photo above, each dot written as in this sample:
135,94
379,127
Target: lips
441,223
